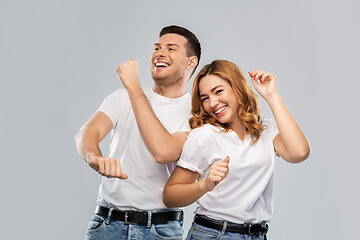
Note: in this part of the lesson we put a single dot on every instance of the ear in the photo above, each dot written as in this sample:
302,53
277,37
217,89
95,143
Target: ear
191,63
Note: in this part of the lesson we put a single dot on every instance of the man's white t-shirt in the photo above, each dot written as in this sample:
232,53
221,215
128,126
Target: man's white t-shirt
143,189
246,194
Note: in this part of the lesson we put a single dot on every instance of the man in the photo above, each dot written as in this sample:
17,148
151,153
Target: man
130,196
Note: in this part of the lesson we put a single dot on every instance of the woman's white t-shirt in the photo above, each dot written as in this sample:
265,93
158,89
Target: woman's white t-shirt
246,194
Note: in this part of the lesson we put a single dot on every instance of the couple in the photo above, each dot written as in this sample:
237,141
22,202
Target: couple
226,162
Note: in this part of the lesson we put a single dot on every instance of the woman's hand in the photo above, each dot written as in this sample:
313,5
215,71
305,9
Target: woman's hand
217,173
264,83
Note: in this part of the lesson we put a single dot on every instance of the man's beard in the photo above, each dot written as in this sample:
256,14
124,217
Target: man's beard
166,80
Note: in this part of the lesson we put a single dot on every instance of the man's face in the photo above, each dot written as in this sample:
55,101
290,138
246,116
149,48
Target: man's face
169,59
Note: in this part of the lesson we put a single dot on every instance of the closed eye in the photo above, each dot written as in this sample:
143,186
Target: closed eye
219,91
204,99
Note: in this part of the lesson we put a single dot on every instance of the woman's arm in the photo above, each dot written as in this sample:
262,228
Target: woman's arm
290,143
181,189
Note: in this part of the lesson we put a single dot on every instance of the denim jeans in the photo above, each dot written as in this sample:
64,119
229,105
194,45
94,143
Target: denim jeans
200,232
102,228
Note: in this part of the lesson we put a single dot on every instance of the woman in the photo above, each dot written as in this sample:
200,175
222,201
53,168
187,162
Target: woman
230,152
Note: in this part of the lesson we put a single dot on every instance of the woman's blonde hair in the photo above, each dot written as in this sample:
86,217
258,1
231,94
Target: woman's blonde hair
249,107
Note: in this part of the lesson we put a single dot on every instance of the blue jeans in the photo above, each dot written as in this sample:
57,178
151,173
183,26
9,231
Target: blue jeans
102,228
200,232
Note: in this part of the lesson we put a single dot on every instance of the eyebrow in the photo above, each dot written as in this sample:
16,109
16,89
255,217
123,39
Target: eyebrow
212,90
169,45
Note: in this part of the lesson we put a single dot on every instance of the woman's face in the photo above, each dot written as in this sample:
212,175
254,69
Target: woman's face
218,99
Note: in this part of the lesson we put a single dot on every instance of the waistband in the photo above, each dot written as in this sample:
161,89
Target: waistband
140,217
248,228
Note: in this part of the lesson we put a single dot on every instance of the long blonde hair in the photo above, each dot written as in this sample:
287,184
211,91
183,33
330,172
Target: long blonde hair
249,107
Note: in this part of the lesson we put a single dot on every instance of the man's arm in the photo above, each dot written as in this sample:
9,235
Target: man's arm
164,147
87,143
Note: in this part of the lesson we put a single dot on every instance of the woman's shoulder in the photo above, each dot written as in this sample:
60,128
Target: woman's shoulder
269,123
271,127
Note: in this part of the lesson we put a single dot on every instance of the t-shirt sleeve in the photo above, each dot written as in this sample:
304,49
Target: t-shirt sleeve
112,104
272,127
192,156
275,130
185,127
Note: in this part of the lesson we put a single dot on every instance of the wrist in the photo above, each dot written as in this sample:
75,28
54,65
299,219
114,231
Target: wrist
134,85
202,186
135,92
273,98
89,156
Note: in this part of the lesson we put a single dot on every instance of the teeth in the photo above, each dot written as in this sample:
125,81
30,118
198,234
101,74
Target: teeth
220,110
161,64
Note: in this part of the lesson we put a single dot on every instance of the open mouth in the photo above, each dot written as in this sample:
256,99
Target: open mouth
220,110
161,64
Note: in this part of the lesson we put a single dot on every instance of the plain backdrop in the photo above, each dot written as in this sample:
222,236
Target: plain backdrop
58,61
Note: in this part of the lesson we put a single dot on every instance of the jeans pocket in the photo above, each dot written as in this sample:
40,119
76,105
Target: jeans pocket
200,232
95,223
171,230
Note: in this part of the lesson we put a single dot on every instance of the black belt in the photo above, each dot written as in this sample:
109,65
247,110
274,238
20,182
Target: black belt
140,217
251,229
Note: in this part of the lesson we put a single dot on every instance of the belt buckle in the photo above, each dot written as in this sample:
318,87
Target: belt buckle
250,232
126,221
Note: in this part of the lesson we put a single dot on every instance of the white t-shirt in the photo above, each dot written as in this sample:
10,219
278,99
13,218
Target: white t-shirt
143,189
246,194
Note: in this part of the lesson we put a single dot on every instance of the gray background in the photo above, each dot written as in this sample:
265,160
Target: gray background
57,63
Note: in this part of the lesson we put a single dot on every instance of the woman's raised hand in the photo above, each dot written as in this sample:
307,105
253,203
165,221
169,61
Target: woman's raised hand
264,83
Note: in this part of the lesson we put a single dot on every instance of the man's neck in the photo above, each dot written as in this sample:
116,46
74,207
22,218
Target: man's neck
173,91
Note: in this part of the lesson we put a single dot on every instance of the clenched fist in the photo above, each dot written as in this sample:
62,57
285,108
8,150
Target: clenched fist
217,173
107,167
128,73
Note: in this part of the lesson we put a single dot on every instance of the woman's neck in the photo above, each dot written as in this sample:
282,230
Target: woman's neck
239,128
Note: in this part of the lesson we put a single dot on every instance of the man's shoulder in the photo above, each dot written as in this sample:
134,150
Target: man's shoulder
118,93
121,93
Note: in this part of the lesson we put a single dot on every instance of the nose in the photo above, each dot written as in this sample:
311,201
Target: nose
213,102
160,53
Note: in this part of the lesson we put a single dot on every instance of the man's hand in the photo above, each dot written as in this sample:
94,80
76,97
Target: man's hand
128,73
107,167
217,173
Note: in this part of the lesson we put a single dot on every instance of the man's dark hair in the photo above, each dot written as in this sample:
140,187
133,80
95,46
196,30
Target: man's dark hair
193,47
